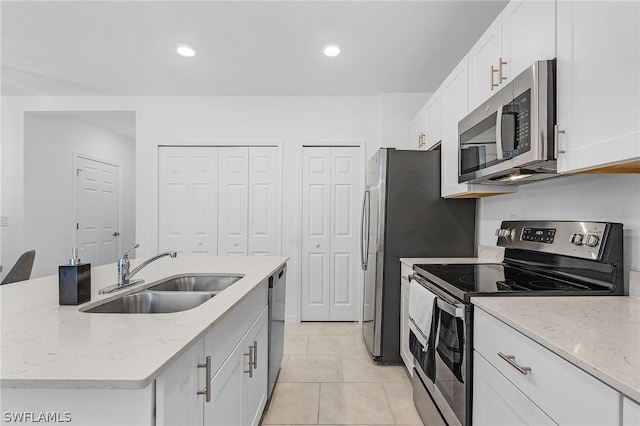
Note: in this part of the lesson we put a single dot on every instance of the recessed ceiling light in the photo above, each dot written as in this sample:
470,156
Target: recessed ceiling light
332,50
186,51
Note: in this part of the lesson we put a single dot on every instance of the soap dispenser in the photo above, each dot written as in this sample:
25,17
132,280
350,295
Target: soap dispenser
74,281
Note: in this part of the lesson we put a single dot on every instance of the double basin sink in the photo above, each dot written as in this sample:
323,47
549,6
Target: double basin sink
175,294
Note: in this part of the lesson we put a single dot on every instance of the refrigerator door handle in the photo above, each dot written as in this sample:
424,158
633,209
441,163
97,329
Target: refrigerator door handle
364,242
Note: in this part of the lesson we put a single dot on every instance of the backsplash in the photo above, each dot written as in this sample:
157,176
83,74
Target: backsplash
610,198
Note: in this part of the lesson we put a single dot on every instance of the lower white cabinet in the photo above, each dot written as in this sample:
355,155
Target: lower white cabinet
630,412
496,401
405,351
565,393
237,354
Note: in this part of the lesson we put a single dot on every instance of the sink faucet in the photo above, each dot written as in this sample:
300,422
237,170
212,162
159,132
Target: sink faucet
124,275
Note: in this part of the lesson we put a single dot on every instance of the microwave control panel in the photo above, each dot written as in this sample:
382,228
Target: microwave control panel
516,126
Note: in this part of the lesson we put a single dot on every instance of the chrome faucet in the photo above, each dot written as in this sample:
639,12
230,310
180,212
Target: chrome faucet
124,275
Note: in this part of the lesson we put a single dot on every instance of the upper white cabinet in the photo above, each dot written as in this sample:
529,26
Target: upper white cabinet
218,200
522,34
433,112
419,130
455,96
598,84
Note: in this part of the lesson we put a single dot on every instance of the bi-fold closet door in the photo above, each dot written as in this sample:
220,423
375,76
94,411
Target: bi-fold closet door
218,200
330,215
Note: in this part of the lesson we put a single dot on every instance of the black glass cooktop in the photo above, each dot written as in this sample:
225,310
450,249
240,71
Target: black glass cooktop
466,280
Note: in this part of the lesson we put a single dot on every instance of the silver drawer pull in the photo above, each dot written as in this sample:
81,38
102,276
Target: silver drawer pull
250,355
255,354
207,387
511,359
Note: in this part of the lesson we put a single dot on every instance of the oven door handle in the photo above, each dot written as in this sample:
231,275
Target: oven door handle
451,309
499,153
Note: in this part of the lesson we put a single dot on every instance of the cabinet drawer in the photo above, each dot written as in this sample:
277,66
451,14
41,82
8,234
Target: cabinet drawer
563,391
225,335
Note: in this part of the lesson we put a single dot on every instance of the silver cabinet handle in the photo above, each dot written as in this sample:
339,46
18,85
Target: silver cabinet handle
556,139
493,71
511,360
255,354
421,138
250,355
501,75
207,387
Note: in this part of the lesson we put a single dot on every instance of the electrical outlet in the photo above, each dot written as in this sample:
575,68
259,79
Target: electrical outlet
4,221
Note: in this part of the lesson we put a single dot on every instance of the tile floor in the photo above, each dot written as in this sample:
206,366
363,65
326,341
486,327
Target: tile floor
328,378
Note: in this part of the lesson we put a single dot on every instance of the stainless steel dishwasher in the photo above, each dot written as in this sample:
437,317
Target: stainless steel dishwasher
277,292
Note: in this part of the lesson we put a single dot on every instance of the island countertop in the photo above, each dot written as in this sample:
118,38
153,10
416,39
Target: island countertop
45,345
598,334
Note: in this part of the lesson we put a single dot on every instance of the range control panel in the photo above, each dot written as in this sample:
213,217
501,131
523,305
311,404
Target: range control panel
578,239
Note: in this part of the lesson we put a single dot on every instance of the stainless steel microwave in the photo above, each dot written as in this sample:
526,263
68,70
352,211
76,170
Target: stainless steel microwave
510,139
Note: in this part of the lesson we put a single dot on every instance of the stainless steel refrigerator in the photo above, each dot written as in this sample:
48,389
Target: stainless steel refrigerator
403,215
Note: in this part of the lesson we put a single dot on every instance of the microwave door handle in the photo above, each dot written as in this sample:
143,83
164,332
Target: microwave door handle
499,133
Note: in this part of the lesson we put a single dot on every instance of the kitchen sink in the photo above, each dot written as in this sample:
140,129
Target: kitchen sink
150,302
190,283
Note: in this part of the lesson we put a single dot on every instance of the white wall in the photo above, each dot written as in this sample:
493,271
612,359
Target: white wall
290,121
610,198
50,142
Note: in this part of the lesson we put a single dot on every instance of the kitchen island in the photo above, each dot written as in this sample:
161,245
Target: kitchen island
112,368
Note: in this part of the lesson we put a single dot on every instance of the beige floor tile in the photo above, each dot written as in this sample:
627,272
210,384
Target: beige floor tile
304,328
295,345
331,345
400,396
313,368
294,403
359,368
342,328
354,403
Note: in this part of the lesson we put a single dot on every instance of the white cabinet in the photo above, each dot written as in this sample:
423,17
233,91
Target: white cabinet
433,112
496,401
455,96
177,400
630,412
218,200
239,388
405,351
565,393
330,287
235,345
522,34
419,130
598,84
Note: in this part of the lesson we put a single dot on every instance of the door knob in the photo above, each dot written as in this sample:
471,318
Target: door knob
115,234
317,245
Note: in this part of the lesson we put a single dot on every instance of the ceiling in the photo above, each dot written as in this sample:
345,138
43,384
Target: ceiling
261,48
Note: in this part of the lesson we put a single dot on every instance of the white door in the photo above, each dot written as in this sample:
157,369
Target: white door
263,201
187,199
97,201
330,216
233,201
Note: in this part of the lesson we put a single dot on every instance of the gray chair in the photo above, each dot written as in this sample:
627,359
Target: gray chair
21,271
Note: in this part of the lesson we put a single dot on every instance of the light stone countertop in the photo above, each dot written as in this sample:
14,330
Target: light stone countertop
599,334
45,345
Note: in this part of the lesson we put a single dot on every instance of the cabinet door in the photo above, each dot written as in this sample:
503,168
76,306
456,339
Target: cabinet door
434,119
484,55
630,412
598,83
225,407
177,401
263,201
497,402
419,130
405,352
233,201
187,200
255,386
528,34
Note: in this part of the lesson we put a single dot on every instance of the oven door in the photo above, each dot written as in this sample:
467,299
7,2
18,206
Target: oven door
450,389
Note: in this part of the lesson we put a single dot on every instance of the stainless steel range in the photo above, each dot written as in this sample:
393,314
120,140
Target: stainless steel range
542,258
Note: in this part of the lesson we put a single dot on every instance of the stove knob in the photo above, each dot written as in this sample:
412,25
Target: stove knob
503,233
576,239
591,240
